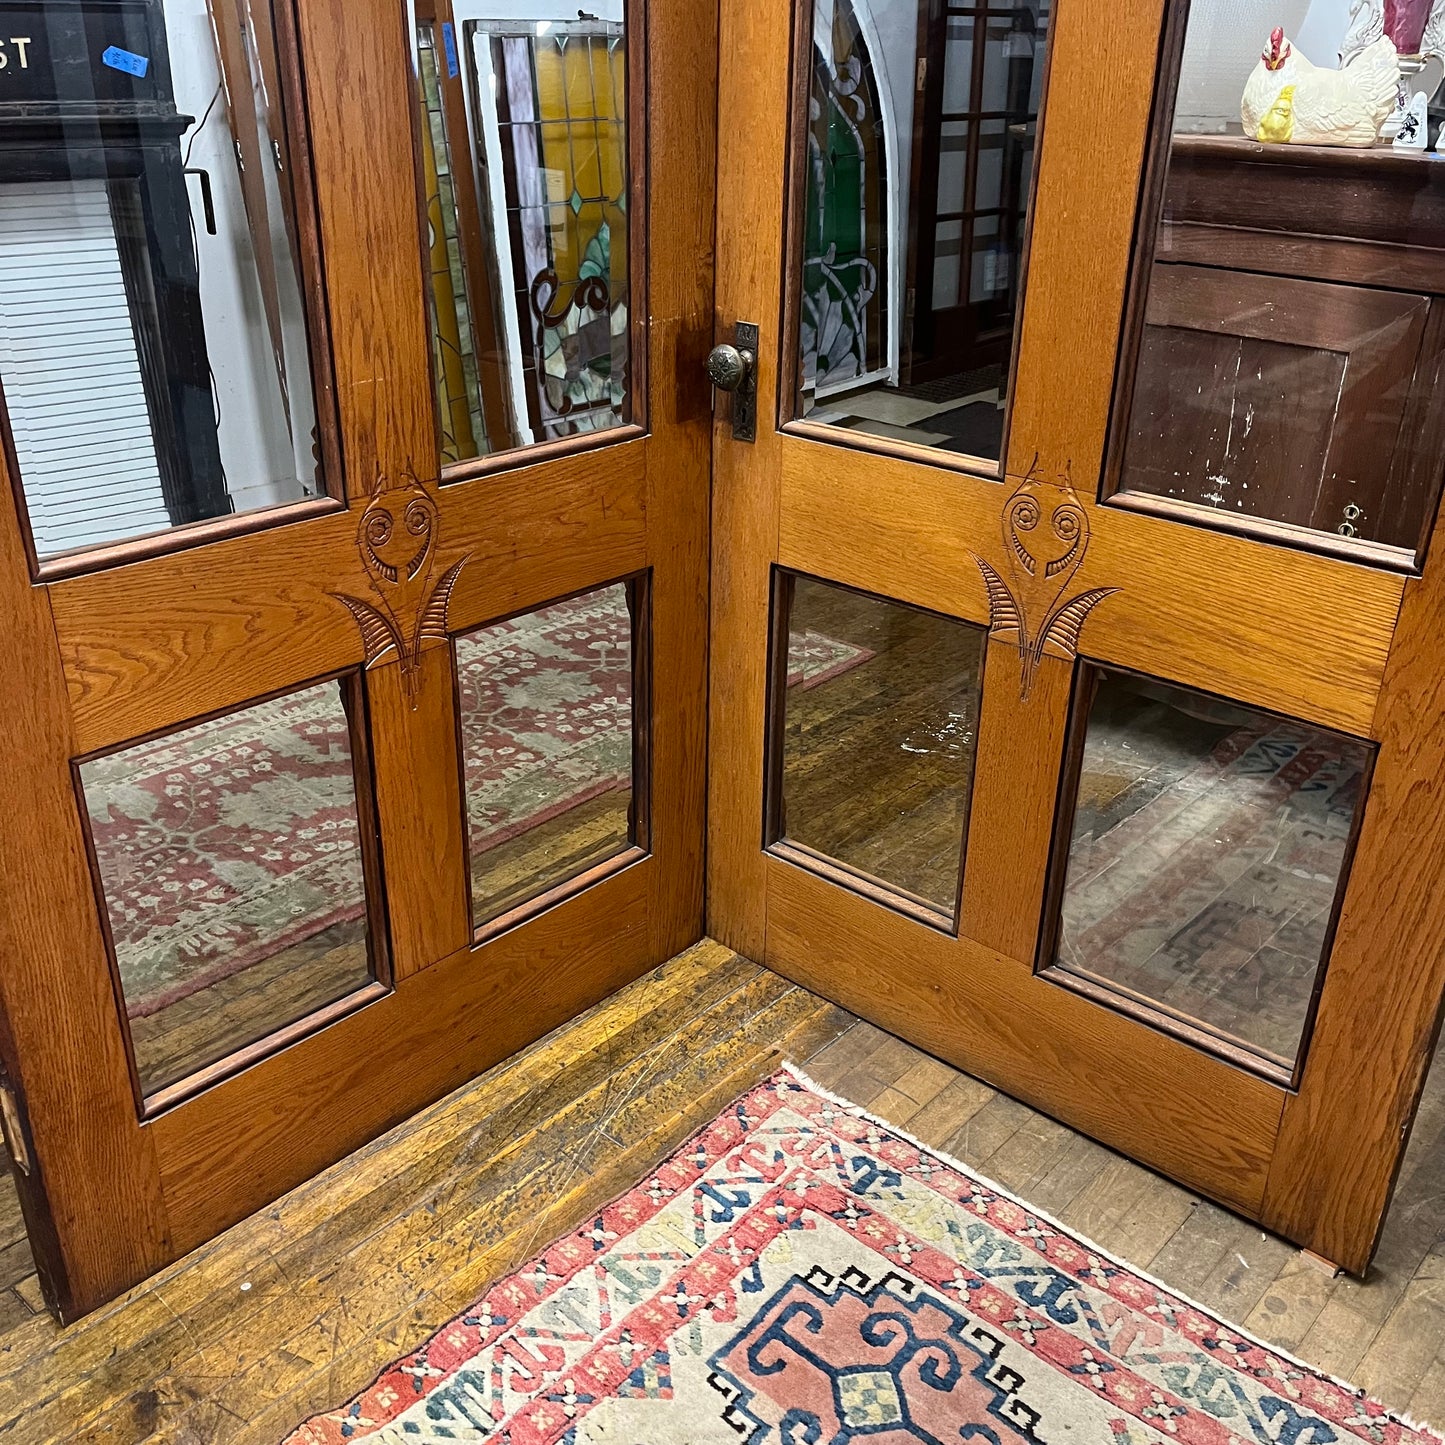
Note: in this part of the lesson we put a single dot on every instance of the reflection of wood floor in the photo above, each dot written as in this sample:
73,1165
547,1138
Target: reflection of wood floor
878,760
226,1016
299,1307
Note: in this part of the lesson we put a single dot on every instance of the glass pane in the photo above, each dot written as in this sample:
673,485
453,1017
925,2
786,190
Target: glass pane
547,746
1209,845
915,223
1287,338
524,157
230,861
153,342
879,731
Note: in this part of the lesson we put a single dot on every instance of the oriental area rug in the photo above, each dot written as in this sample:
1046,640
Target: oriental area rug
799,1273
223,844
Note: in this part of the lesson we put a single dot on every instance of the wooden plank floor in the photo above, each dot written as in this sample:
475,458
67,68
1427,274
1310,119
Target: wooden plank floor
297,1308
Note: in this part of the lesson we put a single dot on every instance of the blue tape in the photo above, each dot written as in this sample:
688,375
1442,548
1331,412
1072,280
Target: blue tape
449,41
125,60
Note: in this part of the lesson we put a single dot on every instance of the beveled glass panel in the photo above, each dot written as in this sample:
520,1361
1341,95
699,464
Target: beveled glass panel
153,327
1281,368
547,709
230,863
879,729
524,159
1208,851
918,167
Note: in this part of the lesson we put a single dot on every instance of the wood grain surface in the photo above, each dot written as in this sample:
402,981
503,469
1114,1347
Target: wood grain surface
153,638
1102,64
1204,1123
751,175
1277,628
358,1266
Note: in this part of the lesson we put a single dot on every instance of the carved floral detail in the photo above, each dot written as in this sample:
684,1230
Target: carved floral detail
397,540
1045,535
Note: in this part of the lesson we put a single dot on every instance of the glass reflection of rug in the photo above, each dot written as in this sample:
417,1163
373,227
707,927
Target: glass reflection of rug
799,1271
242,839
1207,846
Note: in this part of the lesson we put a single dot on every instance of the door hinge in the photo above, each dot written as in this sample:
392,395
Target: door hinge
13,1127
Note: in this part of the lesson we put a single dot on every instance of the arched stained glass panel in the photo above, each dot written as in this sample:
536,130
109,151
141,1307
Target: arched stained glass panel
844,326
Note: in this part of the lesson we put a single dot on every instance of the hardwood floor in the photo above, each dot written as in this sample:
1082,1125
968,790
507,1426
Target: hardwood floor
297,1308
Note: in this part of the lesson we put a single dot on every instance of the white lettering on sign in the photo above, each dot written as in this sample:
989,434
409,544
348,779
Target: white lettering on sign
22,48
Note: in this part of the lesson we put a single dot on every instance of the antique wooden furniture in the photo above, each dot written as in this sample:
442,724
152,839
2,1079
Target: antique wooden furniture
1278,271
990,622
143,637
1251,619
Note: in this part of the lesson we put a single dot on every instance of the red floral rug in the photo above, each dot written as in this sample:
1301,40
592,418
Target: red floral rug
227,842
800,1273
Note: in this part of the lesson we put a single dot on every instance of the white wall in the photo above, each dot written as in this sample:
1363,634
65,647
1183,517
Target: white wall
1322,30
262,464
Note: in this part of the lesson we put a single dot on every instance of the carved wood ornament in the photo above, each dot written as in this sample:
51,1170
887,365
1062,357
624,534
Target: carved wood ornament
1045,536
397,540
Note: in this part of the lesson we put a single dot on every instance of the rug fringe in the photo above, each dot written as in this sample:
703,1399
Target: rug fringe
971,1172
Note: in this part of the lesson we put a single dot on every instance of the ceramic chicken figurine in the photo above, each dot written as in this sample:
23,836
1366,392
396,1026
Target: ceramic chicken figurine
1290,101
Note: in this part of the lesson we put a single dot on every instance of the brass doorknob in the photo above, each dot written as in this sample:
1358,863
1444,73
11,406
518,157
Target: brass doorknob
728,368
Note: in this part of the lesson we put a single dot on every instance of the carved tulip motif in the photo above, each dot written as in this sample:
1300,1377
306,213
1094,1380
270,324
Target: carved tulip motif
1045,536
397,540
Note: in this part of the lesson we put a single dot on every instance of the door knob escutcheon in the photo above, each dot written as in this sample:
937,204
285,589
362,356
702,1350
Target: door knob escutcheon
733,367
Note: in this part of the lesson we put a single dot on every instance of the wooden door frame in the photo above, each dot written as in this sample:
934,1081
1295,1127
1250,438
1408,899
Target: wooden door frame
169,629
1343,645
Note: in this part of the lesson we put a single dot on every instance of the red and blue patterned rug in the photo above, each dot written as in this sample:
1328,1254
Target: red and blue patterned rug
799,1273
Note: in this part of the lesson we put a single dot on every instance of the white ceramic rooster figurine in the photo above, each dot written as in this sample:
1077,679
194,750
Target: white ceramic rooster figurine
1290,101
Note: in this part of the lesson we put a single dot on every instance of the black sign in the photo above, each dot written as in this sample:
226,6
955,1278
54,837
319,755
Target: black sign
79,56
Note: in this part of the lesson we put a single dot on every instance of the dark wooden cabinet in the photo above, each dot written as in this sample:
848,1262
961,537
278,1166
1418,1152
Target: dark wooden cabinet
1286,357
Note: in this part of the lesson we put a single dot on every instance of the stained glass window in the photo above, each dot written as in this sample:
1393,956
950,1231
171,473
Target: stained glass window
562,116
523,155
454,351
844,331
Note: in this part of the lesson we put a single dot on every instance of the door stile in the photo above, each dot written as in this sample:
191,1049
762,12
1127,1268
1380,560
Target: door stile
680,226
755,107
91,1197
1343,1134
1093,130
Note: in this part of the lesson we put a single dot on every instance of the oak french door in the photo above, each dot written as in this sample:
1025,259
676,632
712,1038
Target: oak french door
354,580
1076,702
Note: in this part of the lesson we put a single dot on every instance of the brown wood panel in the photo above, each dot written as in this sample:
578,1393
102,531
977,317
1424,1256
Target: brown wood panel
1102,62
244,1142
419,811
1283,253
1206,1124
1342,1136
1011,820
154,638
682,98
357,66
1322,375
153,644
92,1201
751,168
1303,635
